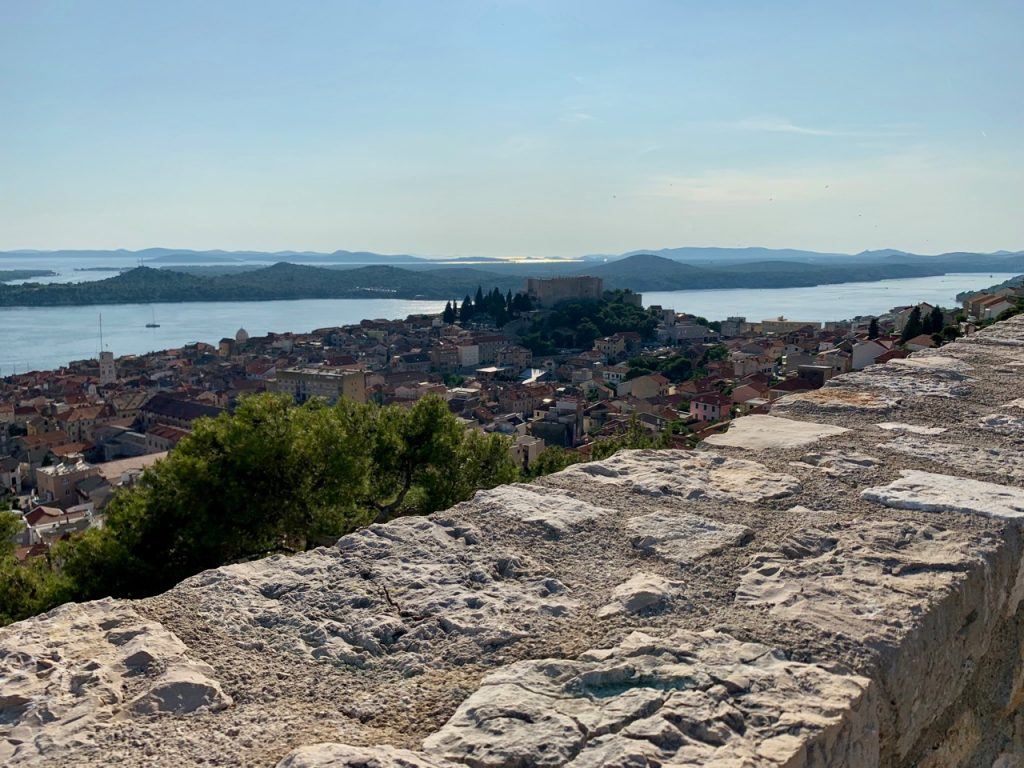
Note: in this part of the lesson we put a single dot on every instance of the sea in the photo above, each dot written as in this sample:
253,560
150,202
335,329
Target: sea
43,338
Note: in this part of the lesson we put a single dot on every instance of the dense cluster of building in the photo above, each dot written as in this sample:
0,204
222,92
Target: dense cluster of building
70,438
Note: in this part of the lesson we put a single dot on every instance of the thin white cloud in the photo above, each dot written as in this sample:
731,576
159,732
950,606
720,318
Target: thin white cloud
774,124
576,117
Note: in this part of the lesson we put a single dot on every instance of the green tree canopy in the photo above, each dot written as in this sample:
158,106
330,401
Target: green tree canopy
914,326
275,477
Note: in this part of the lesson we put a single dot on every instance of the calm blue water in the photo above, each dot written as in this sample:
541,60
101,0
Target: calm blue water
48,337
824,302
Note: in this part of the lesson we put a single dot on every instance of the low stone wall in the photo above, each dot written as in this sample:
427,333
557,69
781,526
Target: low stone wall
836,584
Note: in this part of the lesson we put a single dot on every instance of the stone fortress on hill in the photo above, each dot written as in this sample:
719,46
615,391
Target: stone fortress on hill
837,583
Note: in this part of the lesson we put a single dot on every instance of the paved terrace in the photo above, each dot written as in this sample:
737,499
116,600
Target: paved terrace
837,584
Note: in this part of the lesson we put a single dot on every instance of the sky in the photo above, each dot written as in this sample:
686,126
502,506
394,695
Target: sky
500,128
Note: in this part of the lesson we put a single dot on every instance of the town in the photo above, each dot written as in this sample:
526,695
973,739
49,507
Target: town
557,367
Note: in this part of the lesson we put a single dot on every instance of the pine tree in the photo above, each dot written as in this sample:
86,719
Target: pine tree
914,326
508,302
466,313
938,320
478,301
449,314
873,328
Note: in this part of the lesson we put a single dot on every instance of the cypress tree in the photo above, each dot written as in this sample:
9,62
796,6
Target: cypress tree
914,326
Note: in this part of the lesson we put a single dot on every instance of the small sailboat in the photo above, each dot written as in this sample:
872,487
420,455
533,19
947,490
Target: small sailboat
153,323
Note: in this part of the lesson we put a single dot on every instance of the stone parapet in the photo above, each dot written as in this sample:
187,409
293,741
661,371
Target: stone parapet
835,584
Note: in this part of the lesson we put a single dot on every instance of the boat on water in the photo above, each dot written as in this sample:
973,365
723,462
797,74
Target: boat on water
153,323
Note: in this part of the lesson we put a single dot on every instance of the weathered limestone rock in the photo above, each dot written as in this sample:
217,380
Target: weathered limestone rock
836,397
689,474
1006,334
642,594
924,598
910,382
77,668
837,463
688,699
455,640
1003,424
866,579
553,513
179,691
758,432
931,362
329,755
991,461
385,591
932,492
683,538
914,429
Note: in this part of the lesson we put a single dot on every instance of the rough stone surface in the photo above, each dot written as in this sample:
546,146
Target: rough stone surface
840,398
385,591
345,756
689,474
907,383
856,601
687,699
1003,424
757,432
989,460
79,667
914,429
837,463
682,538
554,514
945,493
644,593
864,579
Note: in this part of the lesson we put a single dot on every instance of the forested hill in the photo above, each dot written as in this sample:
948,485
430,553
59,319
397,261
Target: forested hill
647,272
642,272
6,275
280,281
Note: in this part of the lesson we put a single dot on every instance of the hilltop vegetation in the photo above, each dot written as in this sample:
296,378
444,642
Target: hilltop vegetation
6,275
272,477
646,272
421,280
280,281
578,323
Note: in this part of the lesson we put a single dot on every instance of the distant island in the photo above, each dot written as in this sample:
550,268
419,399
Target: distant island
280,281
639,272
6,275
194,276
696,255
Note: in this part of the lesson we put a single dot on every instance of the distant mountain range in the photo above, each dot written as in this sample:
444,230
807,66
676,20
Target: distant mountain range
693,255
244,279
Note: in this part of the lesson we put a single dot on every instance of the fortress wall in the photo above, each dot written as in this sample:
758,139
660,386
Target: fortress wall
836,584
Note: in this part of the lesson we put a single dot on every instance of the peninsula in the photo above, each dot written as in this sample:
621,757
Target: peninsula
423,280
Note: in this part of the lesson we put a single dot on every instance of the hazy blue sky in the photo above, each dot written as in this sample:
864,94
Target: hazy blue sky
512,128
